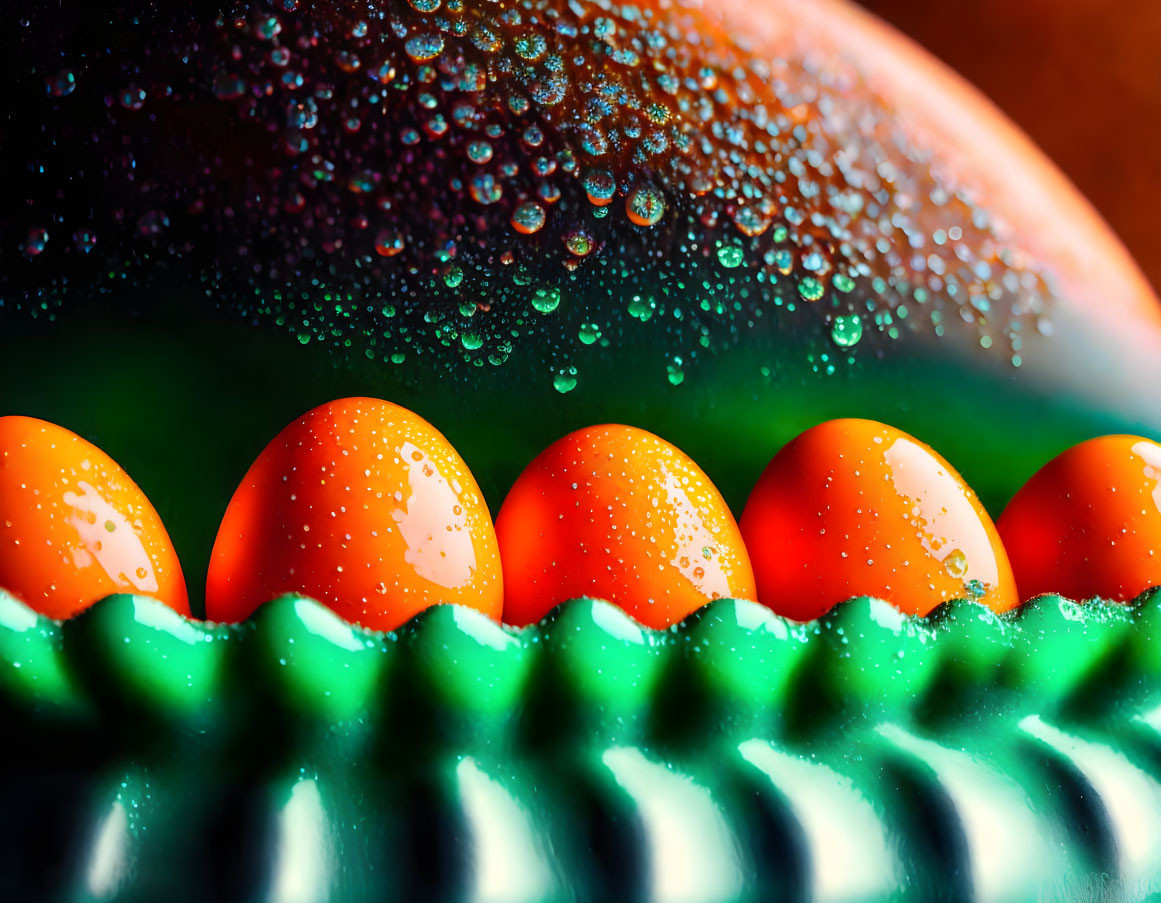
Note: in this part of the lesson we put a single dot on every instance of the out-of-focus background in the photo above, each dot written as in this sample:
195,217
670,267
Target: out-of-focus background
1081,77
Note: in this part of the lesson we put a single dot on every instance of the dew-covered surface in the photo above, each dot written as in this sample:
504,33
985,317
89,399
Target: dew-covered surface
616,513
852,506
356,503
515,219
518,218
73,526
432,184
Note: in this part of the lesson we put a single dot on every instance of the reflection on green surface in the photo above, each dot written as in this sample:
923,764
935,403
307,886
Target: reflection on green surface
295,755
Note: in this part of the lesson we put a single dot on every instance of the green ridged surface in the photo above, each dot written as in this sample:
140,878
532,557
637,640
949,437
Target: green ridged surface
737,756
863,661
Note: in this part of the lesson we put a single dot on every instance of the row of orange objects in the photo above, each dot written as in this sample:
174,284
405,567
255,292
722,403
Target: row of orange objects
366,507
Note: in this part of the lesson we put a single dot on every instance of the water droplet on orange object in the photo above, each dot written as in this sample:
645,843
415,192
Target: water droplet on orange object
357,500
76,528
1088,523
855,507
618,513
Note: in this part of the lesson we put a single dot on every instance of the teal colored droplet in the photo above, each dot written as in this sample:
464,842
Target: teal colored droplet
599,185
578,242
531,46
564,382
750,221
486,189
730,256
676,375
479,151
645,206
528,218
846,331
810,288
425,46
453,276
589,333
546,300
641,308
843,283
304,338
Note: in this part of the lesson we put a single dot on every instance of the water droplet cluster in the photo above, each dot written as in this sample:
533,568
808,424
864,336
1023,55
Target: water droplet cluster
455,180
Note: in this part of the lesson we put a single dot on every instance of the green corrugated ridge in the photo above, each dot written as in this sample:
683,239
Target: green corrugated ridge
732,662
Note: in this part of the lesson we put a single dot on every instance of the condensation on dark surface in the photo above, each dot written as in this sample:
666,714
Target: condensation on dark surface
445,179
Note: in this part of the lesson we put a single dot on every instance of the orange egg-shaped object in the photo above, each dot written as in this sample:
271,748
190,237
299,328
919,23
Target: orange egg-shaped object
74,527
1088,523
364,506
617,513
855,507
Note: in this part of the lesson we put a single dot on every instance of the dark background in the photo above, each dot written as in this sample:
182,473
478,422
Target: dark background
1081,77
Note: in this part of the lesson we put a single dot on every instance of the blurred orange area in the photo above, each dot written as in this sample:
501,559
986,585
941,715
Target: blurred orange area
1081,77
